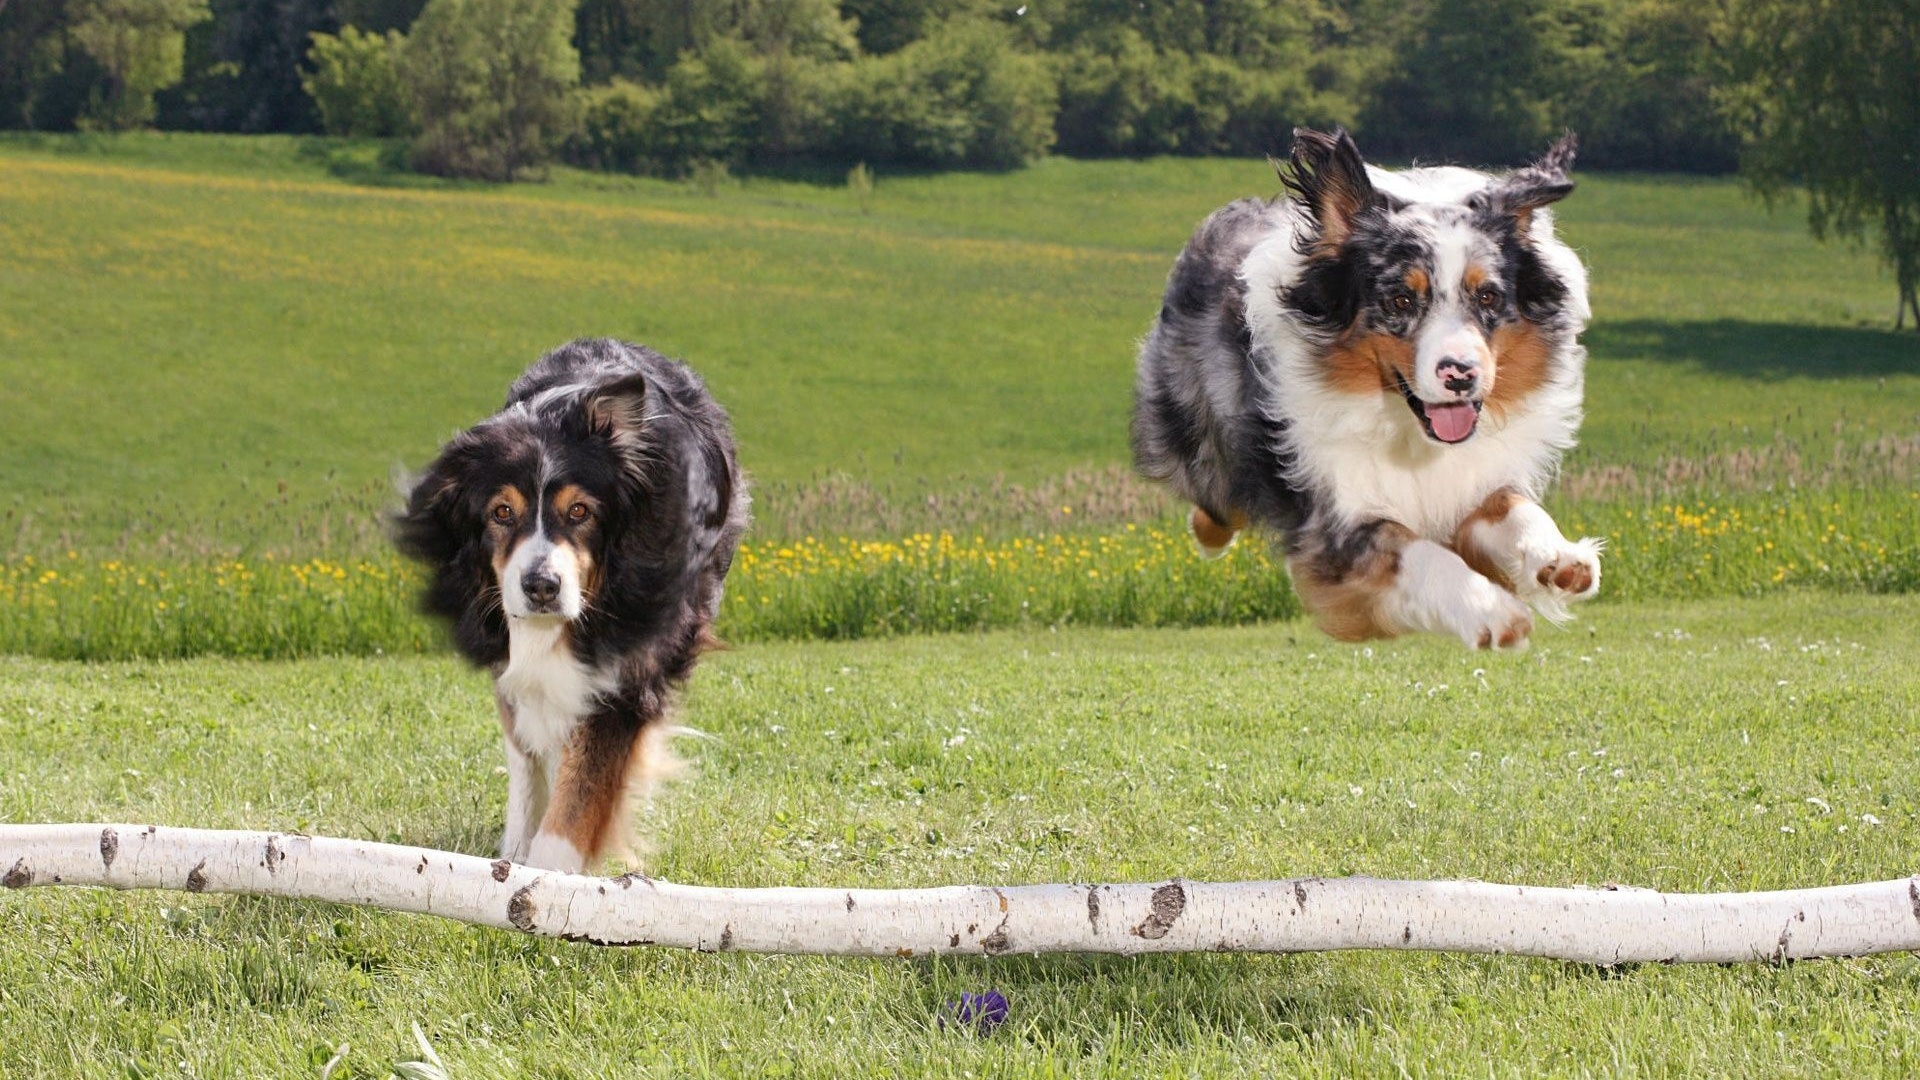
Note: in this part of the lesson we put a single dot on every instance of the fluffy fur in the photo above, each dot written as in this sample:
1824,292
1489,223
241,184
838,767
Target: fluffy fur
577,543
1383,368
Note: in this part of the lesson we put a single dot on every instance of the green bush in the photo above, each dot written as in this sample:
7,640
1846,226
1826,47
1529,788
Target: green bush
617,128
963,96
356,83
491,85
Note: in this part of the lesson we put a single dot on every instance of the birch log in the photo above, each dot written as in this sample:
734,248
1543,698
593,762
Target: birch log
1597,926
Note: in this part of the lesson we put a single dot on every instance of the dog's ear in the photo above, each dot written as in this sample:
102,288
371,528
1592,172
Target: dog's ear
1523,191
617,412
432,527
1326,176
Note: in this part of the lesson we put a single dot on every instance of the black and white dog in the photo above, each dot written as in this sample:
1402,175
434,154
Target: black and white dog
578,541
1383,368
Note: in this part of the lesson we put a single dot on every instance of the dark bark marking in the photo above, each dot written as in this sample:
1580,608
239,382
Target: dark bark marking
849,901
1913,894
726,937
501,868
274,856
19,877
109,847
197,878
1093,907
1406,933
953,942
520,908
1300,896
999,941
1168,902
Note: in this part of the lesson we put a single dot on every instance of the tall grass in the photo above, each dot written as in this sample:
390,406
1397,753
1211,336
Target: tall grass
79,607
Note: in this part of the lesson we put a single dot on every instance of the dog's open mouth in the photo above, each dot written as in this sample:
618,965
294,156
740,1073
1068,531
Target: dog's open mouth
1447,422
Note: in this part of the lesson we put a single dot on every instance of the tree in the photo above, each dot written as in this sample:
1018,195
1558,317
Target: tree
356,83
140,46
491,85
1825,96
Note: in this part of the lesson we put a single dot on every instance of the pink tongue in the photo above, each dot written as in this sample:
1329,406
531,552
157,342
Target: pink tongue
1451,423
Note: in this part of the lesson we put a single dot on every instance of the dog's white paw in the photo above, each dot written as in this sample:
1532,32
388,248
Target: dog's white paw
1553,577
1490,617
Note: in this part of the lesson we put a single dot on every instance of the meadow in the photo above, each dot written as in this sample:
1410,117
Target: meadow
216,350
228,346
1698,745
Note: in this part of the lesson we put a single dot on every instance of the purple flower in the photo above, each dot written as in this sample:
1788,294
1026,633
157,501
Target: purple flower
981,1012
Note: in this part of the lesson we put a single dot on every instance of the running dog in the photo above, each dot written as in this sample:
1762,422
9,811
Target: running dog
1383,368
577,542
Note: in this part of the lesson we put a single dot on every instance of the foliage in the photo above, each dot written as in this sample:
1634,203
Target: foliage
249,77
491,85
964,96
355,83
139,46
618,129
1827,98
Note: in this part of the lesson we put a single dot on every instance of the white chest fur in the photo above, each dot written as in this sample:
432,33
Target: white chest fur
548,688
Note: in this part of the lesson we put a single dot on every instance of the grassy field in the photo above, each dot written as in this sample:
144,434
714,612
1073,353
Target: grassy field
223,345
1696,746
227,344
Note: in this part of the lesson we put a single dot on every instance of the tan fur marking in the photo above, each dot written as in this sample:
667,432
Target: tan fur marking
1521,354
590,787
1348,608
1365,363
1491,512
1215,534
1475,277
501,541
1417,281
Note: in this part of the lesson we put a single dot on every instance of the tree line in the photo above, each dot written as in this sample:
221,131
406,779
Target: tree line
659,85
1813,94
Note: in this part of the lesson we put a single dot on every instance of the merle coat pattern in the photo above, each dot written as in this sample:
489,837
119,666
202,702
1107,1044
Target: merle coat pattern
1383,370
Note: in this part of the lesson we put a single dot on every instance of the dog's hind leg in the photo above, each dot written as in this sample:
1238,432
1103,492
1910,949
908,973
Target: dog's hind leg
1379,580
1212,536
586,813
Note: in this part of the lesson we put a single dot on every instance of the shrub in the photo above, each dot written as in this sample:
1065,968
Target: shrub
356,83
490,84
617,128
963,96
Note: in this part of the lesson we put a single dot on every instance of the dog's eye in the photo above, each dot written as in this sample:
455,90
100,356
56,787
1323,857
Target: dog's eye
501,514
1489,298
578,512
1401,302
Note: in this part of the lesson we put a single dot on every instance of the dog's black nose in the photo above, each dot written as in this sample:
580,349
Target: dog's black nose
540,587
1459,376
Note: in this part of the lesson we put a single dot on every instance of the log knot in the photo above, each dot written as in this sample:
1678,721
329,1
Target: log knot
520,911
1168,902
19,877
197,877
109,847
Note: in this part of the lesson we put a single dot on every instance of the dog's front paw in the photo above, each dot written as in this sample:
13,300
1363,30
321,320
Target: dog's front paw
1552,578
1490,617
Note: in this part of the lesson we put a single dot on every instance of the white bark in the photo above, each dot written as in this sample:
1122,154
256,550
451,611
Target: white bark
1599,926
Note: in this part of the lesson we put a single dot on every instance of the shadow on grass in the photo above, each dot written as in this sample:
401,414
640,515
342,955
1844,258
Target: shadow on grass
1168,1000
1762,350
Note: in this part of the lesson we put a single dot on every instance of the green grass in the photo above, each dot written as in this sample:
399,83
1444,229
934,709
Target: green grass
225,344
1696,746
